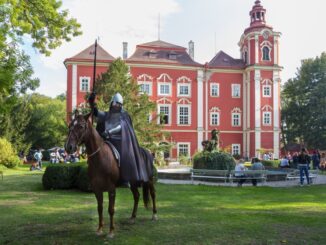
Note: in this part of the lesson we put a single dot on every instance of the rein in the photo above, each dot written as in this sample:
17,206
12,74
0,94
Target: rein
81,139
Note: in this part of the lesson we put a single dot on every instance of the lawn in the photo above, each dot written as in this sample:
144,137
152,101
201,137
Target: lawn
187,215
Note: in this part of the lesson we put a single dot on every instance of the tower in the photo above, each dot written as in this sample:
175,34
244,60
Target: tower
261,78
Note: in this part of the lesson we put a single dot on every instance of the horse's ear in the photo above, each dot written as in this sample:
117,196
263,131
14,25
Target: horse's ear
89,117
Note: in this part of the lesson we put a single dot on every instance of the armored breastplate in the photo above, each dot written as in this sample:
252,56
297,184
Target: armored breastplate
112,121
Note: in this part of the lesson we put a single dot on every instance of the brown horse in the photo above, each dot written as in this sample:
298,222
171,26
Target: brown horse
103,170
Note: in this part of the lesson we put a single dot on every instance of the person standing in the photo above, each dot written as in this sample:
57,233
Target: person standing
315,160
38,157
304,161
256,166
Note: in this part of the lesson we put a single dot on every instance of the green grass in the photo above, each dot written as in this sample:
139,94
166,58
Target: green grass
187,215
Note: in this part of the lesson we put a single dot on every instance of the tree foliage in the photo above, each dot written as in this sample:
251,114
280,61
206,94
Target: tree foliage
42,20
139,107
304,104
47,126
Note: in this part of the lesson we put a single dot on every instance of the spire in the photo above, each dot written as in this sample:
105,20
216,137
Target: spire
257,14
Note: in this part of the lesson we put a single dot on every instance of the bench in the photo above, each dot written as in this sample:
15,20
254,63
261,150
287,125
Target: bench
209,174
295,175
249,175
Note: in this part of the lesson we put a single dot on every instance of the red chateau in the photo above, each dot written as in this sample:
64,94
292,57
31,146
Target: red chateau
239,97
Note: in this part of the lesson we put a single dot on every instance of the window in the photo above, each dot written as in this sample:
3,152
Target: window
267,118
145,88
84,84
145,84
266,53
164,89
183,114
236,90
236,119
245,57
183,149
267,90
183,89
215,118
215,90
164,111
235,149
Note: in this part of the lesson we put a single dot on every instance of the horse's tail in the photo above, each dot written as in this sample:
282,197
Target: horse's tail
146,196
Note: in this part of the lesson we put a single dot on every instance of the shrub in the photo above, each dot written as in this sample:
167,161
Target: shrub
271,163
184,160
213,160
83,180
8,156
61,176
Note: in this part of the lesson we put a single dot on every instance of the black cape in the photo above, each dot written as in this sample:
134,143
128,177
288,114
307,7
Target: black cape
136,163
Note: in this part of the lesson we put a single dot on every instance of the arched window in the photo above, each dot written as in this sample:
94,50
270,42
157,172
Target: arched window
266,53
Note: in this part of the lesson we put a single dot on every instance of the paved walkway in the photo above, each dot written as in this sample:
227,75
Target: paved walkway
320,180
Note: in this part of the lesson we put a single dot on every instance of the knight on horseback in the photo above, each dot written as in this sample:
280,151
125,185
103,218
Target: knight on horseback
115,126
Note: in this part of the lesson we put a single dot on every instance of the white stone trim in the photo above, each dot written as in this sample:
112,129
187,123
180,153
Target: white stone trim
256,49
200,108
170,113
276,50
189,114
74,87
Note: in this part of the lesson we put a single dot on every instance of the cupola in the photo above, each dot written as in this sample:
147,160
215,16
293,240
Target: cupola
257,14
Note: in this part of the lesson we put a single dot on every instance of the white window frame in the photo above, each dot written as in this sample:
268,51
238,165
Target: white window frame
189,115
236,149
169,114
185,85
211,118
233,119
267,115
211,89
269,53
149,84
81,79
185,144
267,88
234,86
159,89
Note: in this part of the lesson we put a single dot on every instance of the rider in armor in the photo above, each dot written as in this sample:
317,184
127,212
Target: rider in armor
116,127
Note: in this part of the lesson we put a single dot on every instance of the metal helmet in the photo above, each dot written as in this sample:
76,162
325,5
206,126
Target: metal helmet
117,98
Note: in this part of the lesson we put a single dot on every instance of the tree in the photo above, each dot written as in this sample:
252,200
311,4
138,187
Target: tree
304,104
42,20
138,105
47,125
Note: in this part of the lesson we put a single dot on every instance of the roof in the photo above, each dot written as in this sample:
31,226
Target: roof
222,59
88,54
162,52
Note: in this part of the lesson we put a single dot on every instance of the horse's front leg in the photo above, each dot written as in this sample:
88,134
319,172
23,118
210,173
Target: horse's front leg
111,212
135,193
99,198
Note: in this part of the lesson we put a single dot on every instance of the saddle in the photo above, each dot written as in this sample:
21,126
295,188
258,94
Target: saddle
114,151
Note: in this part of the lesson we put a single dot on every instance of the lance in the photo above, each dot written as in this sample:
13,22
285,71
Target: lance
94,66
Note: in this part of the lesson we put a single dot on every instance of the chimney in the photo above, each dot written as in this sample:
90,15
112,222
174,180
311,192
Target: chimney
191,49
125,50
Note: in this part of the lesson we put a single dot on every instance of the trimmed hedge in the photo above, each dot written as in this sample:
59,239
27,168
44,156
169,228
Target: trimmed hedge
213,160
271,163
61,176
69,176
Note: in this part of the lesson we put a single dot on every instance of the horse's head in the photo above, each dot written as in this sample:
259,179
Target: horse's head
78,129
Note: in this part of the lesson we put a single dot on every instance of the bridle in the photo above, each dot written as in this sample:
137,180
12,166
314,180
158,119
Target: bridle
80,140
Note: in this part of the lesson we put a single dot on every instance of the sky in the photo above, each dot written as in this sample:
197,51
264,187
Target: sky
213,25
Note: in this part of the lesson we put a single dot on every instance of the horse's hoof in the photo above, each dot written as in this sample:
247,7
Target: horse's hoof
132,221
111,235
99,232
154,217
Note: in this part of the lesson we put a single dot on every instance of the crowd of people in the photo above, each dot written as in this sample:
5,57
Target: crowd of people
61,156
317,160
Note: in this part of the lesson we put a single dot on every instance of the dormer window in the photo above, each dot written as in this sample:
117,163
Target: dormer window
172,56
152,53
